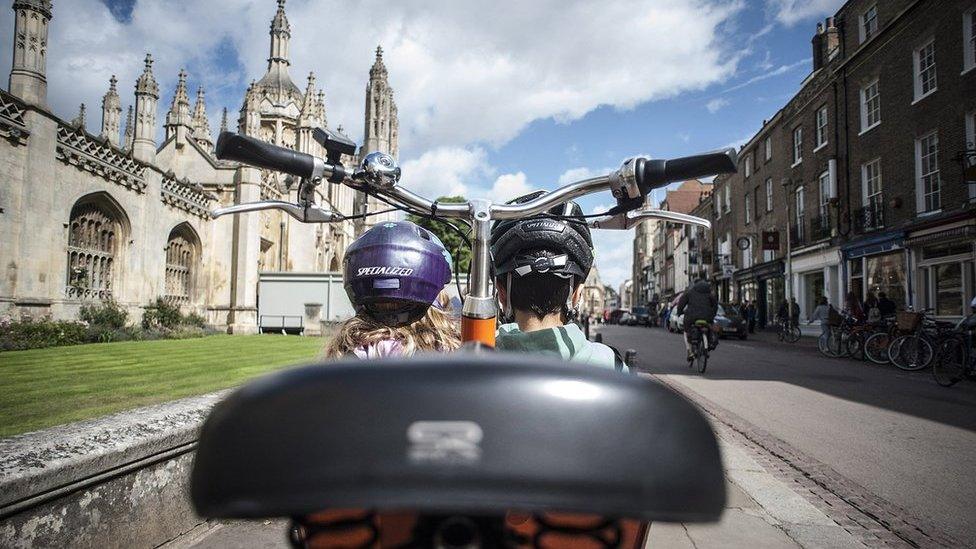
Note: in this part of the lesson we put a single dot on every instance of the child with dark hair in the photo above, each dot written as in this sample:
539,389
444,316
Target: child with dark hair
540,265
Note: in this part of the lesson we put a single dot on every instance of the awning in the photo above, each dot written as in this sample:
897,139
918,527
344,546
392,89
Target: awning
875,244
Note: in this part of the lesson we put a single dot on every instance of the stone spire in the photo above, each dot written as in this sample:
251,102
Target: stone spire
380,109
277,82
179,122
28,71
79,121
127,138
201,125
320,106
380,132
111,113
280,34
223,121
147,99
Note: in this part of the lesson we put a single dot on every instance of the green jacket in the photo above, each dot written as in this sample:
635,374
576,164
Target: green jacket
566,342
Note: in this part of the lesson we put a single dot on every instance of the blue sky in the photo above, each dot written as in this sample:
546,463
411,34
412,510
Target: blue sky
491,103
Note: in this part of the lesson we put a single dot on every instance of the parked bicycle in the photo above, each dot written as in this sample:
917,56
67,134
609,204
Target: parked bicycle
788,331
915,350
956,358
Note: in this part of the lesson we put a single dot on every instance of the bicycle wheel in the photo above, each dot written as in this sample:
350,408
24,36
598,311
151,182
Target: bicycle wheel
950,366
834,346
855,346
911,353
793,334
702,359
876,348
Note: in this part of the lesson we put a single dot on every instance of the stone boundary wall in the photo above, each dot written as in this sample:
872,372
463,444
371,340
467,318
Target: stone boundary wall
116,481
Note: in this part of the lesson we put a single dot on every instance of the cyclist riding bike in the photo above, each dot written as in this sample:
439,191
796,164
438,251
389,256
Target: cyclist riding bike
697,303
540,266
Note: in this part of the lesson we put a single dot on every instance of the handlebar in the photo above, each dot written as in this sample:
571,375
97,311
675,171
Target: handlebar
652,174
379,174
254,152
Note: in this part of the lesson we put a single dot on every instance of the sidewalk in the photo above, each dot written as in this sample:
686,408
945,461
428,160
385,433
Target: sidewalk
761,511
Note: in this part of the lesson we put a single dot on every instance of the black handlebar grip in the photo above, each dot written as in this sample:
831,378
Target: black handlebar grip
652,174
254,152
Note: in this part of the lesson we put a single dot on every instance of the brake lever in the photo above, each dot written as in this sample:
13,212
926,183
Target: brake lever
624,221
305,214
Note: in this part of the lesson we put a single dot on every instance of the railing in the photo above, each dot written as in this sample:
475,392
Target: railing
870,217
820,227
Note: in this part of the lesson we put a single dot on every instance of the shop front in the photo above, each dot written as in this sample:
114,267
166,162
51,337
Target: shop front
878,264
944,260
816,273
763,284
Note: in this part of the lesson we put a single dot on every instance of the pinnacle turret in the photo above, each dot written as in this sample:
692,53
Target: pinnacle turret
111,113
179,122
127,138
223,121
201,125
378,69
146,83
28,73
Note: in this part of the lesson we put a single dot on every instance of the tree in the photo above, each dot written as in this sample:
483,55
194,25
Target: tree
451,239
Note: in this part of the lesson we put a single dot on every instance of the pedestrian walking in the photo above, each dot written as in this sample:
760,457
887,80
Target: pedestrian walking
822,313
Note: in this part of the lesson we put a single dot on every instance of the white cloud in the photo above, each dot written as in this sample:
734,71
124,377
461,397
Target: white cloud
445,171
790,12
614,255
508,186
782,69
462,74
716,104
577,174
599,208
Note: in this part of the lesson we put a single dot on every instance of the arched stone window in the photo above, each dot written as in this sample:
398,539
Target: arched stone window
96,232
182,256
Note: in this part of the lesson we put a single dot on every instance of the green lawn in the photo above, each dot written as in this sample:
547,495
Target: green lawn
44,387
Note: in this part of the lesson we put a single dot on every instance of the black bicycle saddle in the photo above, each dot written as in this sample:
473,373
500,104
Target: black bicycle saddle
458,433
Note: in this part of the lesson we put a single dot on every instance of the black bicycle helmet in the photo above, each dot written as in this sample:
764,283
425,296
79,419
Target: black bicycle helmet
518,246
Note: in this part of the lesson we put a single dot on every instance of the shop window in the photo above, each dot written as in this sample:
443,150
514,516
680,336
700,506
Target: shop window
946,250
886,273
947,289
857,277
929,184
870,105
925,77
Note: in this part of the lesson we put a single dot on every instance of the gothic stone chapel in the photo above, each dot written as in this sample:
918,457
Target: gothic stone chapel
117,216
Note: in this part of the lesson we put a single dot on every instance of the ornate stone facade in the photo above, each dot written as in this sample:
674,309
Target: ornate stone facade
88,217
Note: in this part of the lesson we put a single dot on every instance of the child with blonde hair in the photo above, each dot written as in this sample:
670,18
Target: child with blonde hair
394,275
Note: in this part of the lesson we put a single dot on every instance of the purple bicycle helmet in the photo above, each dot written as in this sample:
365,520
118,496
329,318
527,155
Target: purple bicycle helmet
394,271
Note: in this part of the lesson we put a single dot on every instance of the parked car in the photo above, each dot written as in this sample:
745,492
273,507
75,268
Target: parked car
730,322
640,316
625,319
676,321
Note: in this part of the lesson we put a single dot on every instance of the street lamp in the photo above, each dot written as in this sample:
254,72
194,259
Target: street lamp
788,186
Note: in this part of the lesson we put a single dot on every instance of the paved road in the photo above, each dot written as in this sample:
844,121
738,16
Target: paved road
905,442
